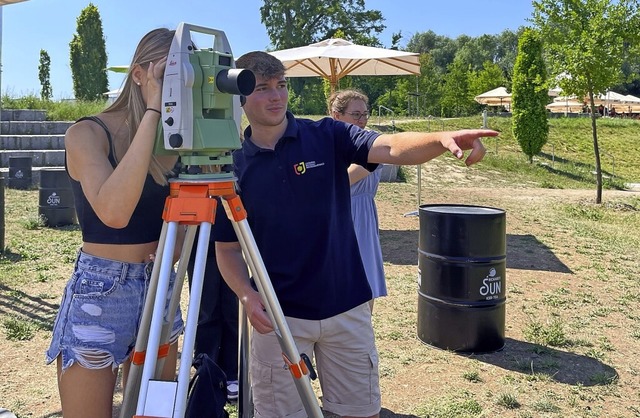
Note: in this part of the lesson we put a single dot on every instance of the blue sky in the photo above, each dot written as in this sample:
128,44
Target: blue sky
33,25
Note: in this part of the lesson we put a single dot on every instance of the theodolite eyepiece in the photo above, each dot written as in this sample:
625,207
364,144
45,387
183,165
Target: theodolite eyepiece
236,81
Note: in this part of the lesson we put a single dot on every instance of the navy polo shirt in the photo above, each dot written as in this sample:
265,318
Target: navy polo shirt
298,206
222,229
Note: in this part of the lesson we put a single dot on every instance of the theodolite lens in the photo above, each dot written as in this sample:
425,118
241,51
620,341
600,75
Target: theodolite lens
236,81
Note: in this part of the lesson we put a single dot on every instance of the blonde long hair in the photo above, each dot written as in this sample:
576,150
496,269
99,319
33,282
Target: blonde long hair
152,48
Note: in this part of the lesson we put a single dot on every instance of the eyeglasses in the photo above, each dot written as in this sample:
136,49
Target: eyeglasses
358,115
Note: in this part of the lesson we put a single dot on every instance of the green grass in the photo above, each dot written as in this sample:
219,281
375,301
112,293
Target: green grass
507,400
459,405
56,110
17,329
472,376
552,334
566,161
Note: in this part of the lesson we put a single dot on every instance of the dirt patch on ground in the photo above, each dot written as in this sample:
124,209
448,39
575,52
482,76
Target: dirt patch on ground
553,274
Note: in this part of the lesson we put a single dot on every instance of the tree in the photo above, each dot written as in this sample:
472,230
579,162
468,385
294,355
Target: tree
379,89
486,61
456,98
477,51
529,95
441,48
292,23
89,56
587,41
44,75
506,54
430,85
488,78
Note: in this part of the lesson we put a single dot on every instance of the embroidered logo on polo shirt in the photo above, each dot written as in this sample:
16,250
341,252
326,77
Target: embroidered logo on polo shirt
302,167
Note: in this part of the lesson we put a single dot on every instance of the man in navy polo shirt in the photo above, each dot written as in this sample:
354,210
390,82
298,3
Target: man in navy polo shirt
292,176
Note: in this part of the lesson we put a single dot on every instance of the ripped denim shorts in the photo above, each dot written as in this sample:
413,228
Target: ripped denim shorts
100,313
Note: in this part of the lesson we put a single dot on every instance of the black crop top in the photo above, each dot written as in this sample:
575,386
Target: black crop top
145,224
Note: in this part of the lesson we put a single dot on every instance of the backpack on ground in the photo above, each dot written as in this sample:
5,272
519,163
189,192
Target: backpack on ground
207,394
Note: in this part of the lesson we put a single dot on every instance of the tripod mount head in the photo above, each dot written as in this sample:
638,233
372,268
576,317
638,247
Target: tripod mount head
201,101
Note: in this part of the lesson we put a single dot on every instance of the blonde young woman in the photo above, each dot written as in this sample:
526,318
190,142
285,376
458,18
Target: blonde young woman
119,190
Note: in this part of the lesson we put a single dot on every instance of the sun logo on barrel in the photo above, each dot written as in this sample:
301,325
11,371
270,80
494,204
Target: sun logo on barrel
491,285
53,199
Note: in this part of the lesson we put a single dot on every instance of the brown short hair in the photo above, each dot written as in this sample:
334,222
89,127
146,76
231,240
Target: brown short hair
339,101
261,64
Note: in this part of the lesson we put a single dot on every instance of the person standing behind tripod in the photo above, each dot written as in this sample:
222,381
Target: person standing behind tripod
217,332
292,174
119,190
352,106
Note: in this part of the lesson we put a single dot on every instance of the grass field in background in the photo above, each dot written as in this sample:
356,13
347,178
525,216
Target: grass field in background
567,160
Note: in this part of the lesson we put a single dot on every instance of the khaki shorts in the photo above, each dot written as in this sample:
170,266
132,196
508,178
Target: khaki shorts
346,362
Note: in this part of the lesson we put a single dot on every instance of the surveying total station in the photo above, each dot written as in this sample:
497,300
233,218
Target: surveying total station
201,97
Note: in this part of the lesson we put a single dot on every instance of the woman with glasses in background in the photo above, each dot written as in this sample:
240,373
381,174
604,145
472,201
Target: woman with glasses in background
352,106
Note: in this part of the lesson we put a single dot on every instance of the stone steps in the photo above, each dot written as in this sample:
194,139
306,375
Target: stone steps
23,127
27,133
31,142
39,158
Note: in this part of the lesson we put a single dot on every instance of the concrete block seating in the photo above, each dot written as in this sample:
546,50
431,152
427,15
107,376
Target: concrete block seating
26,133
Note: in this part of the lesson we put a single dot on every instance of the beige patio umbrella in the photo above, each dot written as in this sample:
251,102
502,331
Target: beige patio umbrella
631,104
565,105
554,92
333,59
629,98
609,98
495,97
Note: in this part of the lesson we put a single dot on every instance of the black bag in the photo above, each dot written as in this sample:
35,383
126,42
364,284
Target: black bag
207,390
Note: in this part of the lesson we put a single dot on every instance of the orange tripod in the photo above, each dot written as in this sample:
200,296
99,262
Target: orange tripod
192,203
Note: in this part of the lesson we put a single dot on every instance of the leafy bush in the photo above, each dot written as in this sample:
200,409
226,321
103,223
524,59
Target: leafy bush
56,110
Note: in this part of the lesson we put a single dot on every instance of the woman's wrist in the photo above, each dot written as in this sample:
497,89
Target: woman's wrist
153,110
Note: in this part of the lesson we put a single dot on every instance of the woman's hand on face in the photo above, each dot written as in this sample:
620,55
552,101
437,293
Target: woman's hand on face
155,74
157,70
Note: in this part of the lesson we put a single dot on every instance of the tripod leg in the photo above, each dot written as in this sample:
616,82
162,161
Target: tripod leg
155,328
296,365
176,293
135,373
191,326
245,396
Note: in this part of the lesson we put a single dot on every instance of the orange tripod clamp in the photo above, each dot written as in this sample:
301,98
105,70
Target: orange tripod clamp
297,369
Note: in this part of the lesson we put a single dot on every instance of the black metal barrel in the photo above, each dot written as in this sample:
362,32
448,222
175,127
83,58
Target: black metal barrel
20,173
56,205
462,266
